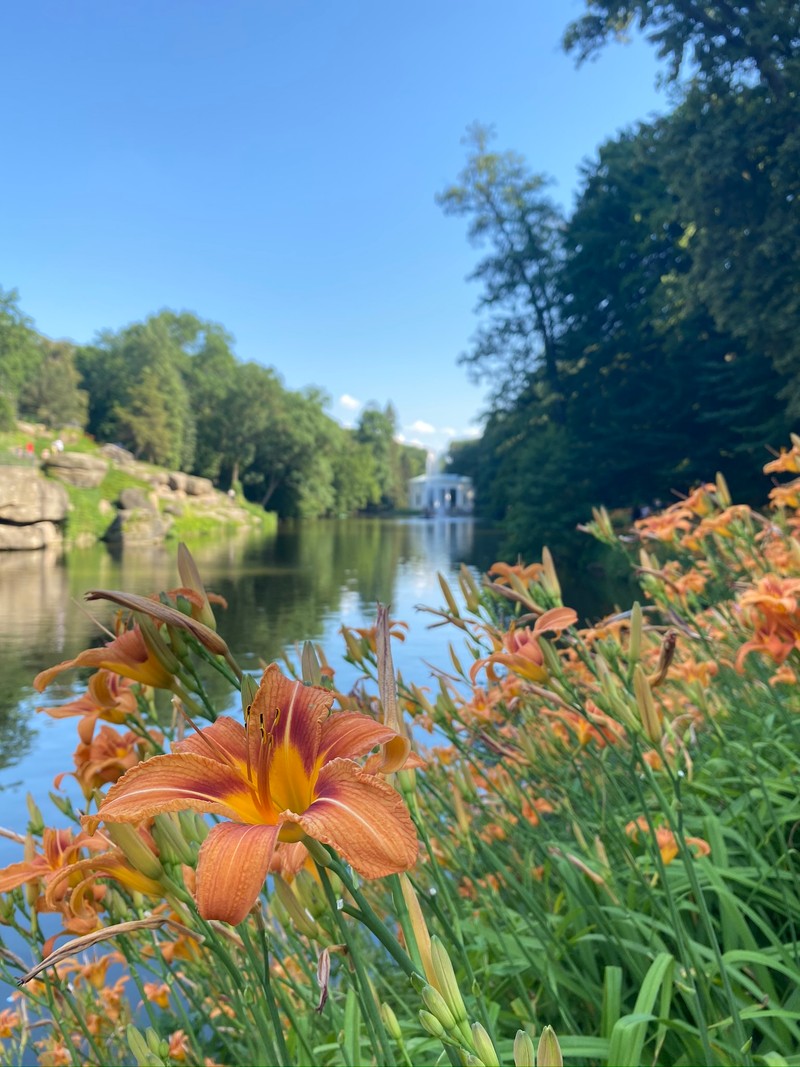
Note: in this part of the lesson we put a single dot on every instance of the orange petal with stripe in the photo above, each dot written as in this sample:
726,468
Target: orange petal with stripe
177,782
363,818
231,869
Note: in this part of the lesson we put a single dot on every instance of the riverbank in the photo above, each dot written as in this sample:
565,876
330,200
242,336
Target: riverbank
67,490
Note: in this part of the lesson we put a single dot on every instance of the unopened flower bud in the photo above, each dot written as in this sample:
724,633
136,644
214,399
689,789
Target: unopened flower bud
135,850
635,643
312,673
524,1052
448,595
156,646
36,822
310,893
294,909
550,582
435,1003
723,493
446,979
484,1046
549,1052
390,1022
469,588
651,722
355,648
190,576
64,805
432,1024
172,845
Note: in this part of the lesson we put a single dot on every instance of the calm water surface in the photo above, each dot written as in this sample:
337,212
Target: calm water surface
303,583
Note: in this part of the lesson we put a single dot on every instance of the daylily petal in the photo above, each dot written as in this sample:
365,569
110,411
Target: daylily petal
226,734
556,619
363,818
351,734
231,869
127,655
17,874
292,713
177,782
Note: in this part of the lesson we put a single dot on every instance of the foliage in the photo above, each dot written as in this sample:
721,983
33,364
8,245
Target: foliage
53,395
606,818
716,42
19,351
509,212
669,343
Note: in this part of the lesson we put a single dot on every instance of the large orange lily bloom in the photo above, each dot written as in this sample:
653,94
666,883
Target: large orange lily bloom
127,655
289,771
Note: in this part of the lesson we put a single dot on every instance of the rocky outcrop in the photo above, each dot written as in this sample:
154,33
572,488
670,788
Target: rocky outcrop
26,498
77,468
190,484
24,538
137,521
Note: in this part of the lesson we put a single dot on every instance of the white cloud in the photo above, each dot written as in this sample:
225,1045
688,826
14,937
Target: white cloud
448,431
422,427
473,431
349,402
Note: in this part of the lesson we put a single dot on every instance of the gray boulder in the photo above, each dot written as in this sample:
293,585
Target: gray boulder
77,468
36,535
142,526
199,486
132,498
26,497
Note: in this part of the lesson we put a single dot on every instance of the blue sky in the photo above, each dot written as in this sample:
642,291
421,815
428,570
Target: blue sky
272,165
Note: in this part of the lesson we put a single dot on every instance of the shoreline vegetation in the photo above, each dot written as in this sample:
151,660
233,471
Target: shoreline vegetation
577,844
117,499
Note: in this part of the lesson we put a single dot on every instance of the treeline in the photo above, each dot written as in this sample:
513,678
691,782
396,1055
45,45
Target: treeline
652,336
172,391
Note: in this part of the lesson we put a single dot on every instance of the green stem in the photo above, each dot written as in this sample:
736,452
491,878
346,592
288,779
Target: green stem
362,986
279,1057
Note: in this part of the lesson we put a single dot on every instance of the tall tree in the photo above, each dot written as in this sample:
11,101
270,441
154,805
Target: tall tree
509,212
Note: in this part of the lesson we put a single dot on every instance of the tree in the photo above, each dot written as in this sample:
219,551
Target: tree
723,41
20,354
508,211
53,395
146,422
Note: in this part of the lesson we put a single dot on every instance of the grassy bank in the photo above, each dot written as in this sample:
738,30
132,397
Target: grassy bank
91,510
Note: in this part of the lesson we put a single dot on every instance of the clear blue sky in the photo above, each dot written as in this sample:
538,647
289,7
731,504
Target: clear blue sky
272,165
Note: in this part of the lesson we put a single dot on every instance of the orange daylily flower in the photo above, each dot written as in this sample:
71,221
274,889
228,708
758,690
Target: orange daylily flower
785,461
108,697
527,575
665,839
105,759
521,652
289,771
127,655
60,848
772,607
786,496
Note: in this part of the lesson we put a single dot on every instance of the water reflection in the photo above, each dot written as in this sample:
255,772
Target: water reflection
303,582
